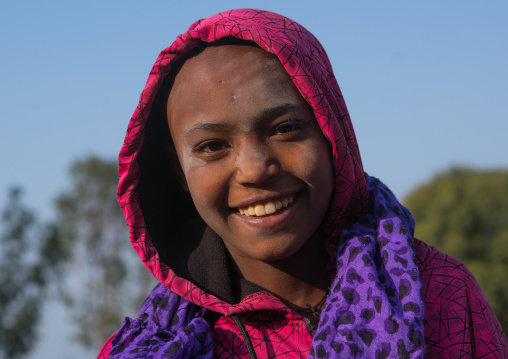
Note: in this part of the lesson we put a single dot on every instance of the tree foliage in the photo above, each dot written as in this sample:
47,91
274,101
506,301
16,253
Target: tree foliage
108,280
464,213
31,256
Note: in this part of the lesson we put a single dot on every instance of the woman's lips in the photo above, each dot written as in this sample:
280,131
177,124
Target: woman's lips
269,221
266,208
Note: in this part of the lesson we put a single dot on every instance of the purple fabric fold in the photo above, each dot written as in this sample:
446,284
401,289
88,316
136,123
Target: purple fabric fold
168,327
375,308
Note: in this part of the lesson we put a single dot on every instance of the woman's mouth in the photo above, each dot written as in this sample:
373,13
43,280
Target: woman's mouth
266,208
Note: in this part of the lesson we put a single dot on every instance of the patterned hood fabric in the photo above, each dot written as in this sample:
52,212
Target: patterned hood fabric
375,308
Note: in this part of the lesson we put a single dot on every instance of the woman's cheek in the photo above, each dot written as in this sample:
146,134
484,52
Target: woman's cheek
205,188
311,161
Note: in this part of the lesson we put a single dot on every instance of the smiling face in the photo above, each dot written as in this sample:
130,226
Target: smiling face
253,157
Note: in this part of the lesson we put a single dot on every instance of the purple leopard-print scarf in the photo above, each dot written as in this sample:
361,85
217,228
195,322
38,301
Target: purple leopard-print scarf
374,310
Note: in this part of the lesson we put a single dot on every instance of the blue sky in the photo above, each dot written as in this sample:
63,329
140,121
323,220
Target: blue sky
425,83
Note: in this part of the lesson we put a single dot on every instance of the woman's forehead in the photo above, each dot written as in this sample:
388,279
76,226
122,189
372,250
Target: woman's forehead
222,60
224,79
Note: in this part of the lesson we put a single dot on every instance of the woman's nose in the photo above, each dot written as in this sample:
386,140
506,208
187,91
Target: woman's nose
256,165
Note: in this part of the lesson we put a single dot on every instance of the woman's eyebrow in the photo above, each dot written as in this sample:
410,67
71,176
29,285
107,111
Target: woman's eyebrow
274,112
260,117
207,126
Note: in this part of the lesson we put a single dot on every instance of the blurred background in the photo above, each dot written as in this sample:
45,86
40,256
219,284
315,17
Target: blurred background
425,83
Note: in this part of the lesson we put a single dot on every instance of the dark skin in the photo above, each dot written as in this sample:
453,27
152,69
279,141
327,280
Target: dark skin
257,167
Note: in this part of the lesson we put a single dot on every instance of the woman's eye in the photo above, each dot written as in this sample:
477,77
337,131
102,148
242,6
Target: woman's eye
287,127
211,146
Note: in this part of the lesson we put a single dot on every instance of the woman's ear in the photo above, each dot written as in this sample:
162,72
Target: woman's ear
177,168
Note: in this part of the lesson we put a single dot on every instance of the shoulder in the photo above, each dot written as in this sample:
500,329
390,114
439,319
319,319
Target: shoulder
458,318
439,269
446,282
447,285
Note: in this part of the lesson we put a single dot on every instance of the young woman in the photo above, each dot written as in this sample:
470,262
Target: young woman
243,188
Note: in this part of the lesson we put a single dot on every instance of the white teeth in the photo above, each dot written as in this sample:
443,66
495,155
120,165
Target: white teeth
270,208
266,208
260,210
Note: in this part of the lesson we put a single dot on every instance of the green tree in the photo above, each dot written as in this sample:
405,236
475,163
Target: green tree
31,256
464,213
108,281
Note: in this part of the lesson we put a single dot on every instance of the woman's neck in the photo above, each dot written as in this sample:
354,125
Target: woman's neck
298,280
